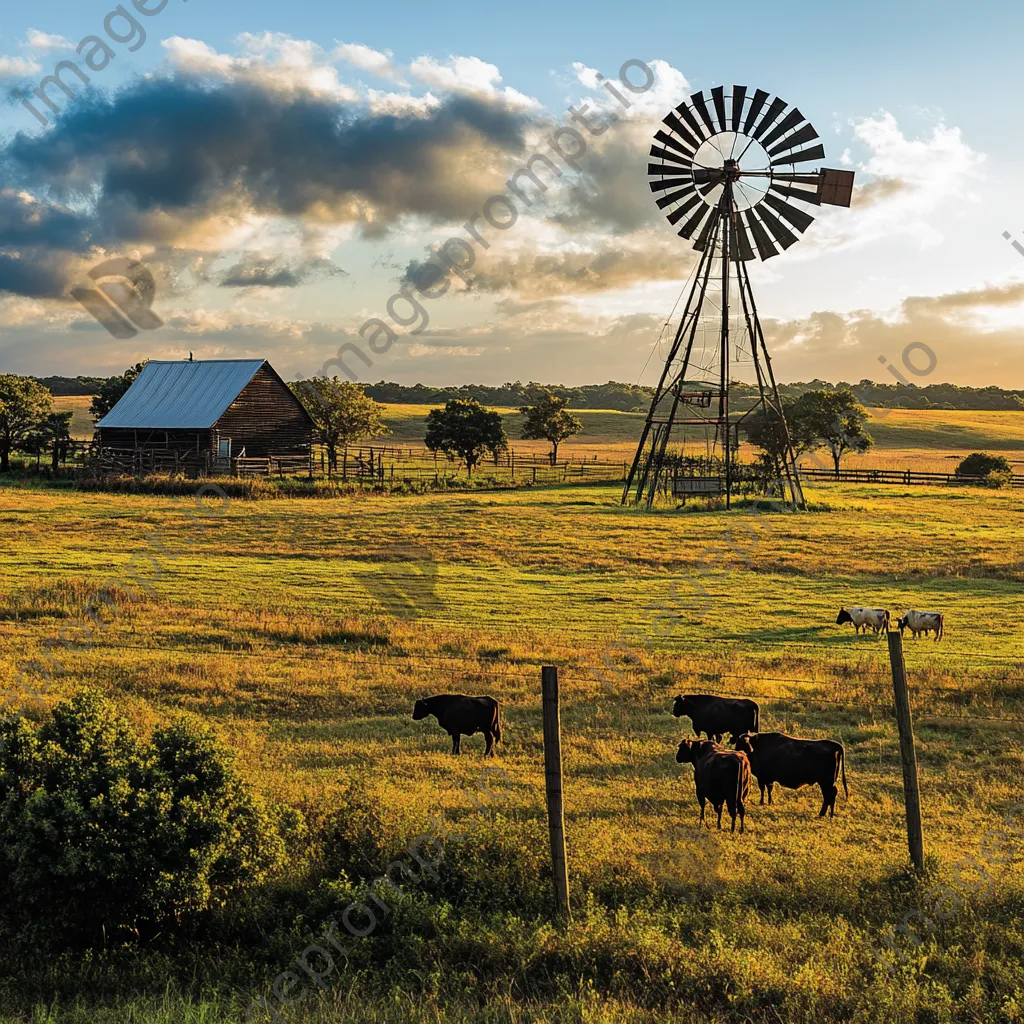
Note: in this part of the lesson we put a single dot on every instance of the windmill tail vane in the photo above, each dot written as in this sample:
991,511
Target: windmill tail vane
730,172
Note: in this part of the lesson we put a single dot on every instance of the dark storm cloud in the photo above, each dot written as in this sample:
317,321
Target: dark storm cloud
176,145
35,274
158,158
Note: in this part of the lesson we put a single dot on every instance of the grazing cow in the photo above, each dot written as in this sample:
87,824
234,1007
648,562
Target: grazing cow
717,716
922,622
865,618
719,775
460,716
776,757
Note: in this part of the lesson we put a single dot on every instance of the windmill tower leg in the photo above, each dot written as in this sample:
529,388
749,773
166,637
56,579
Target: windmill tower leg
787,474
647,469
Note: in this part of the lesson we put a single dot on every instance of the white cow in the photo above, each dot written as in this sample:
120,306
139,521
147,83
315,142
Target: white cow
866,618
922,622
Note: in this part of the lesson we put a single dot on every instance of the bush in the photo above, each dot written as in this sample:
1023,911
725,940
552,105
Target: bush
997,478
105,838
980,464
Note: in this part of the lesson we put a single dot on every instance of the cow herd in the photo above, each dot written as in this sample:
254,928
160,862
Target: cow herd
877,619
721,776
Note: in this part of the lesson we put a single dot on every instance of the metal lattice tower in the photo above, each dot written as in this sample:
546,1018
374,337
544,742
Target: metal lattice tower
729,175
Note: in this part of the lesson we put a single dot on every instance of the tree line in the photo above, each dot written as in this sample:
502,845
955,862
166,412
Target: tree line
635,397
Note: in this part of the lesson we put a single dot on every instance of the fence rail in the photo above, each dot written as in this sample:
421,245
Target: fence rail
906,477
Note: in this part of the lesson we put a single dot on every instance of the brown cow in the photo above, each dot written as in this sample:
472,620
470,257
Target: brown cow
460,716
791,762
721,776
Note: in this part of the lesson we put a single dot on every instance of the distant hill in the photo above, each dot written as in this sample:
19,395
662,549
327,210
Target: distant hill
626,397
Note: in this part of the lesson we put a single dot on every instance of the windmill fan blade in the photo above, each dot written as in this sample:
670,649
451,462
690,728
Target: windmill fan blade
687,230
718,96
672,120
739,96
799,138
701,106
672,158
667,140
797,193
787,124
681,211
755,108
673,197
741,249
666,183
662,170
800,220
705,233
686,114
770,116
764,244
782,234
814,153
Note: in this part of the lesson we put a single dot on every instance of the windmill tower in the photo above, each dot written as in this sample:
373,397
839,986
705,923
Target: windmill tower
729,176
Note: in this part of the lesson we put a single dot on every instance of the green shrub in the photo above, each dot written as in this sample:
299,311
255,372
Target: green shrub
104,837
997,478
980,464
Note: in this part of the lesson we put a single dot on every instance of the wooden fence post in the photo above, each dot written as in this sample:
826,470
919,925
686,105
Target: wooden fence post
553,782
911,792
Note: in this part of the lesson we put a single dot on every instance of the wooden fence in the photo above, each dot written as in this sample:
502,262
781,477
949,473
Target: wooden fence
905,477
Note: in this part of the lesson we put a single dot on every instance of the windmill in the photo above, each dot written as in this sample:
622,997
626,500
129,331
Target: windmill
730,175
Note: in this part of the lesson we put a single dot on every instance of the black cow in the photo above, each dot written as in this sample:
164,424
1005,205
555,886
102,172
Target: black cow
717,716
460,716
719,775
776,757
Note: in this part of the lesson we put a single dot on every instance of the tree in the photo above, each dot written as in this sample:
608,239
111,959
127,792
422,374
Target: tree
466,429
112,390
342,413
547,420
24,405
832,419
764,430
52,434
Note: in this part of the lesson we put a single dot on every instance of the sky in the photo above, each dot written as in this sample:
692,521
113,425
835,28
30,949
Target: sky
286,172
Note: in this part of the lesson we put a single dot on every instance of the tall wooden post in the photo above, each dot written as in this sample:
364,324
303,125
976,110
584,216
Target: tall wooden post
553,781
911,792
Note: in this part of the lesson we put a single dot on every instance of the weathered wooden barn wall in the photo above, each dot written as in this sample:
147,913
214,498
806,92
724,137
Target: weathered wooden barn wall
171,440
266,419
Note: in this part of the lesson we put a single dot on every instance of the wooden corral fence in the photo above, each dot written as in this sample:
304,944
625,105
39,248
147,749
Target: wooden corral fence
906,477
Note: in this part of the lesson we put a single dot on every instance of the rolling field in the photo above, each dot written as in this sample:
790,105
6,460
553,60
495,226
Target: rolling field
273,621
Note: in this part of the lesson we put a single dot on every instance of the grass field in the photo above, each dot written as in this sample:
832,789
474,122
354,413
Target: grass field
267,620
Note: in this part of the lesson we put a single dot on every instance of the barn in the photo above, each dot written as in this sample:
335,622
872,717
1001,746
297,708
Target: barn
208,411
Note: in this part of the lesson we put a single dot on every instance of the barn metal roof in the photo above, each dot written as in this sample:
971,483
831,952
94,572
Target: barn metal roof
181,395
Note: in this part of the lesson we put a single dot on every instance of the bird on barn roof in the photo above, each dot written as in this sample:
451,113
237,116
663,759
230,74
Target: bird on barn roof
190,359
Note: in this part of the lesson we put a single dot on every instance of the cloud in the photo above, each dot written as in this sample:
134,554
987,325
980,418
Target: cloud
18,67
952,325
187,158
469,76
45,42
907,182
584,266
367,59
256,270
